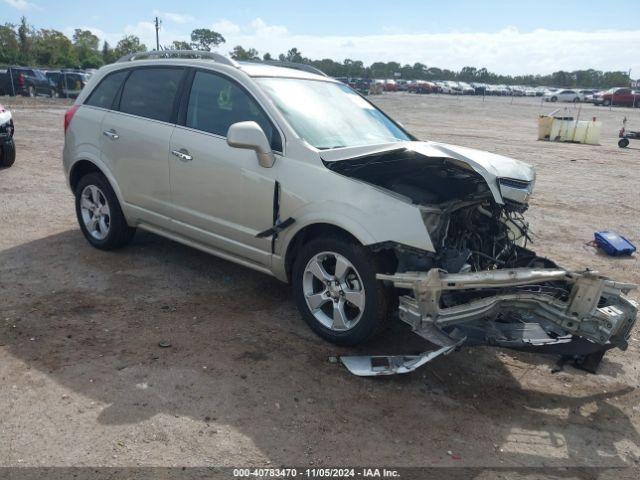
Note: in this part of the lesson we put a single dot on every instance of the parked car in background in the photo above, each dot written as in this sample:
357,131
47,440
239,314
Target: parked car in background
68,83
454,87
530,92
562,96
25,81
443,87
422,86
362,85
586,95
390,85
479,88
466,88
624,97
492,90
403,85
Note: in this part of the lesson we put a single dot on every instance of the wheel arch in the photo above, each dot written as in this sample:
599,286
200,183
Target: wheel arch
308,232
84,167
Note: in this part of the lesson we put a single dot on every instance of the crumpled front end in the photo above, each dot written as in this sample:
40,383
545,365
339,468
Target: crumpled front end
481,284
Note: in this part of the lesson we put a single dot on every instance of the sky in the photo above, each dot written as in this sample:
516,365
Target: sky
510,37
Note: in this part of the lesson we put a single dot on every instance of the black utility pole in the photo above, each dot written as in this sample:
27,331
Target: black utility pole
157,24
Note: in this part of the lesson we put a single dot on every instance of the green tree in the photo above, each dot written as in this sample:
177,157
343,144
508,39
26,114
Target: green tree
294,56
85,39
108,54
239,53
25,40
54,49
9,46
129,44
267,57
86,45
204,39
180,45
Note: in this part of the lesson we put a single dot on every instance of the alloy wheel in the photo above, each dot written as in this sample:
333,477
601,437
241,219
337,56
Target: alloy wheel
95,212
334,291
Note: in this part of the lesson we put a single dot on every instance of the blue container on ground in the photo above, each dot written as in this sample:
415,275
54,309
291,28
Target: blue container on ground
614,244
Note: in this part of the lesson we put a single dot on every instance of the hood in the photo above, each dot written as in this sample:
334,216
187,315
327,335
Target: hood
489,165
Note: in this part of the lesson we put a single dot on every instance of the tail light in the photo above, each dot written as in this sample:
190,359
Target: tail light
68,116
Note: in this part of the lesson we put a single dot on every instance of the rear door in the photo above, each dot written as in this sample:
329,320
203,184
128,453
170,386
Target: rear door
135,141
221,195
87,125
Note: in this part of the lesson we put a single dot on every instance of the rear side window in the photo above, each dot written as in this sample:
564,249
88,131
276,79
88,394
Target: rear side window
216,103
151,92
103,95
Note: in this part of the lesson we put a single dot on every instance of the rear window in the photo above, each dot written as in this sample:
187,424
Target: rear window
103,95
151,92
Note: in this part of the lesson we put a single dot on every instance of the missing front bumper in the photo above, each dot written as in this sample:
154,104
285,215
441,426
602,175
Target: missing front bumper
595,308
592,317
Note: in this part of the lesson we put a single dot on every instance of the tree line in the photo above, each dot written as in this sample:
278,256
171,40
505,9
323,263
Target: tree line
23,44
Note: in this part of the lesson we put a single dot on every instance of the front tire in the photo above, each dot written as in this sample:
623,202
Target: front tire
99,214
7,153
337,293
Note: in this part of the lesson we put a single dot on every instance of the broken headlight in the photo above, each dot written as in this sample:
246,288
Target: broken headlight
515,190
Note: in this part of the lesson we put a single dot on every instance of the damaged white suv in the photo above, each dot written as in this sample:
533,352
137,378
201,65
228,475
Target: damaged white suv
296,175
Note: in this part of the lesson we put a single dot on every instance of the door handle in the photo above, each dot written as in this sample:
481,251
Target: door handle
183,155
111,134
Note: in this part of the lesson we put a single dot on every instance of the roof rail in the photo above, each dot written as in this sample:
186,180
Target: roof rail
201,54
296,66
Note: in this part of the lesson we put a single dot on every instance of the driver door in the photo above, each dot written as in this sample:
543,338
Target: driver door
220,195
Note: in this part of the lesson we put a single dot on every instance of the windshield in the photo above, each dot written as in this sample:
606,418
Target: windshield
330,115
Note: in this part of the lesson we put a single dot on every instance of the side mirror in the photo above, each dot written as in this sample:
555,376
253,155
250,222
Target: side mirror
249,135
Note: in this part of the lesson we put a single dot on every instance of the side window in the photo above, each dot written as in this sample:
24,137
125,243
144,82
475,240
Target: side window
103,95
150,93
216,103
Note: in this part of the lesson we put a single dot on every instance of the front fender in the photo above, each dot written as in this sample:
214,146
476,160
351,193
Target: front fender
395,222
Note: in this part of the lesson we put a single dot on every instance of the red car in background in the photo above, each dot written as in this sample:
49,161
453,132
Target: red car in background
421,86
617,96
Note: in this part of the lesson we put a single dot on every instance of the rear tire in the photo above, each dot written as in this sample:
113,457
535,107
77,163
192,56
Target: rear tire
623,142
99,214
327,305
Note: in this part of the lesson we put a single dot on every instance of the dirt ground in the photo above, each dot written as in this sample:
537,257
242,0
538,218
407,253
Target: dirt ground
83,381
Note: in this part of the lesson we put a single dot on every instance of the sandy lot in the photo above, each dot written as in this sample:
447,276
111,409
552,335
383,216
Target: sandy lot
84,382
